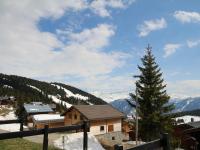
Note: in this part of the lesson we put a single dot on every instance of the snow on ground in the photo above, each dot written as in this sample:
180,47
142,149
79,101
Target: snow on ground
70,94
10,127
188,102
7,86
187,119
75,142
58,101
33,87
44,117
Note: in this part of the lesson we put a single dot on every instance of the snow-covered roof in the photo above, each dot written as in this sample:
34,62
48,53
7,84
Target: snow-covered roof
47,117
187,119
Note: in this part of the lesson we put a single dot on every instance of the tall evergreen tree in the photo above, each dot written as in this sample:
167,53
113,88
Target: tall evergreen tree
152,99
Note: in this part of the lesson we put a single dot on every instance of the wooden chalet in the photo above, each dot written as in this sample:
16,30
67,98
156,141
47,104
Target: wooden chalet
102,118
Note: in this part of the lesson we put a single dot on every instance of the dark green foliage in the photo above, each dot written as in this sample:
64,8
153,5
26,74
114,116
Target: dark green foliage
25,94
20,112
152,99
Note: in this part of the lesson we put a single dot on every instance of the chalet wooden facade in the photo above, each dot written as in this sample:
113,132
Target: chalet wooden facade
102,118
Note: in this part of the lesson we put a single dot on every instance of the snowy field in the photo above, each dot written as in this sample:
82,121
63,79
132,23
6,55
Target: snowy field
10,127
75,142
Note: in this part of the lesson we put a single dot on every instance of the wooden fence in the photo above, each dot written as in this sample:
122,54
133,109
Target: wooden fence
45,131
162,143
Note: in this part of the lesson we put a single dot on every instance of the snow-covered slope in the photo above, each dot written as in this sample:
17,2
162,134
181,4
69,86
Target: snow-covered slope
35,90
59,101
188,104
124,105
71,94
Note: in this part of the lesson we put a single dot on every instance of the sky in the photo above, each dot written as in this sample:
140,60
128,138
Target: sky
96,45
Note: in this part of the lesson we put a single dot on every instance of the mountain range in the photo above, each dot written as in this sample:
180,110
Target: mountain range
28,90
187,106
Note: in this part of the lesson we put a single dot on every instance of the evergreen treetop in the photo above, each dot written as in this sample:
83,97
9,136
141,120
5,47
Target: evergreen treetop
152,99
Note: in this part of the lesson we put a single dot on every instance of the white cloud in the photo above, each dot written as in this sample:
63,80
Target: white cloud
184,88
27,51
100,6
170,48
93,38
187,17
193,43
151,25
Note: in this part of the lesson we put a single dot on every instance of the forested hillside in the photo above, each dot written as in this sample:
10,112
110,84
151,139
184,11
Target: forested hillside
27,90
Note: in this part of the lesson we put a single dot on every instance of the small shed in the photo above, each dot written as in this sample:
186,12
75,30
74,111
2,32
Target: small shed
53,120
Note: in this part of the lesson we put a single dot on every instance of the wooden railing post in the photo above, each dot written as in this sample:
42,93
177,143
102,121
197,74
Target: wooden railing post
45,138
118,147
165,141
85,135
21,125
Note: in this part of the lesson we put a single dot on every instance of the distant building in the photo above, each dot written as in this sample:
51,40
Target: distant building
102,118
7,100
187,129
187,119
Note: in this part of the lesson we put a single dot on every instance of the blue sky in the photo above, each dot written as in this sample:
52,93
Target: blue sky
97,45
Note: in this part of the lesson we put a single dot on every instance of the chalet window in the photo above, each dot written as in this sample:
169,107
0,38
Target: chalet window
101,128
113,138
75,116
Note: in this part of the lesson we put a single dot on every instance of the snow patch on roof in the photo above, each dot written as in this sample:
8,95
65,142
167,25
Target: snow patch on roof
75,142
45,117
187,119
